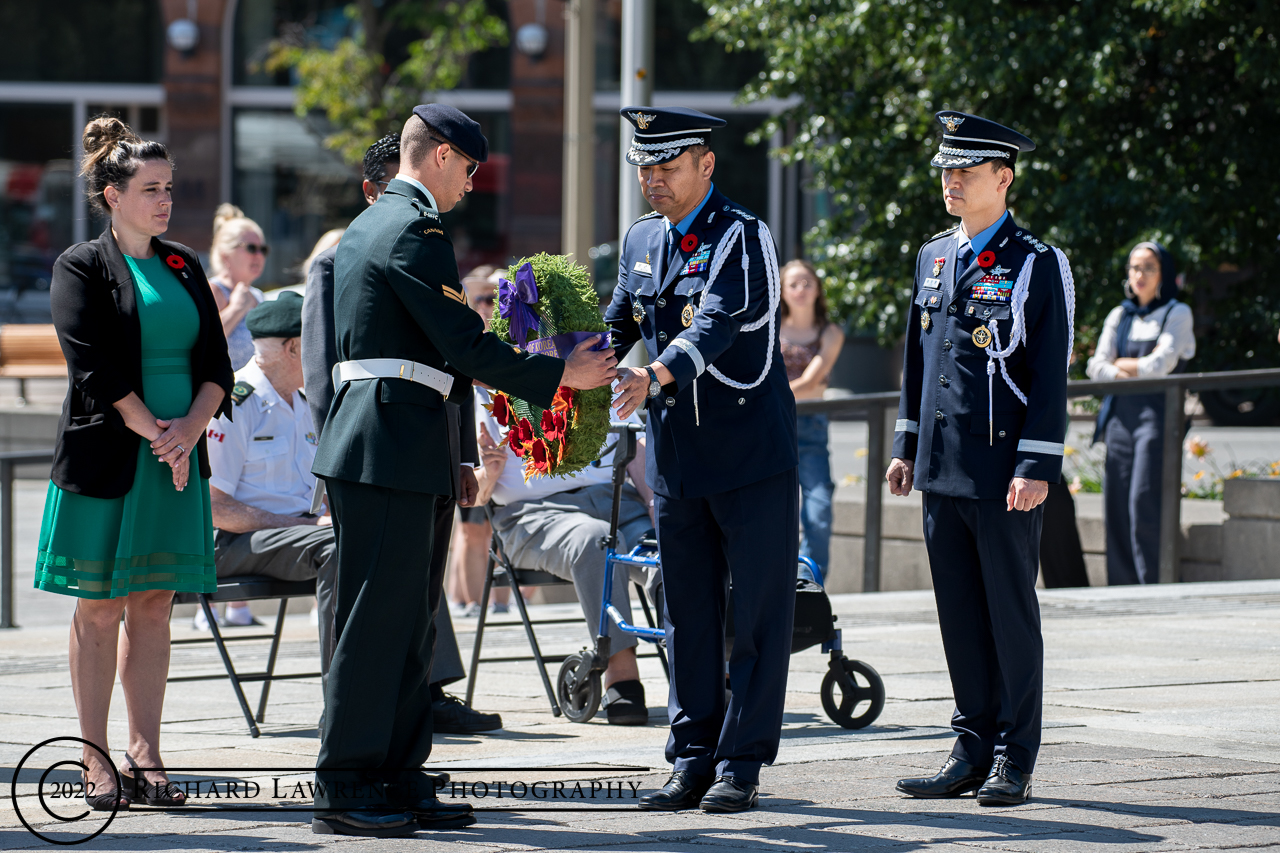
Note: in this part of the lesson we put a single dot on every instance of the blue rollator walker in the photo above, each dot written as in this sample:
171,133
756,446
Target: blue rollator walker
852,691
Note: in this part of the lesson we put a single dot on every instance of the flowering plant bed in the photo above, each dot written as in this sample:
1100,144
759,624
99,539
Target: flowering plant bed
550,308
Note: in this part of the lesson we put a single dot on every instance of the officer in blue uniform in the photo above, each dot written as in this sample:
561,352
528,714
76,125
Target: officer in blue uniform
980,431
698,283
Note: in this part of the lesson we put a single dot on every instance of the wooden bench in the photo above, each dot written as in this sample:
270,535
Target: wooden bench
30,351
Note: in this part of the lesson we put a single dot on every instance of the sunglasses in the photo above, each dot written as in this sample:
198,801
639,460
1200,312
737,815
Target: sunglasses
255,248
471,169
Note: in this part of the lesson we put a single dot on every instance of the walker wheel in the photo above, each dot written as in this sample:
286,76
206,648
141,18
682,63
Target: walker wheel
579,695
859,685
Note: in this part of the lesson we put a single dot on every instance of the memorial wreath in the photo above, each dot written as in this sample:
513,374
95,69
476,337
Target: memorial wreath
550,308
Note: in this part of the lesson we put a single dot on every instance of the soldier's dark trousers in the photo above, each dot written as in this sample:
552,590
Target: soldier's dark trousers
984,559
1131,488
377,720
749,535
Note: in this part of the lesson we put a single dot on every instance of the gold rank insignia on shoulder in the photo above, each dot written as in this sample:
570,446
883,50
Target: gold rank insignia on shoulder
925,322
982,337
455,295
637,311
686,314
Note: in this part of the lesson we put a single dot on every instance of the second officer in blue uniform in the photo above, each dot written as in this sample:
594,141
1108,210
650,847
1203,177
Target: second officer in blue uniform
980,431
698,283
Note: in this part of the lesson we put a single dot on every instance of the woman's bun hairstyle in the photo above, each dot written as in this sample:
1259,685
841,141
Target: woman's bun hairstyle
112,155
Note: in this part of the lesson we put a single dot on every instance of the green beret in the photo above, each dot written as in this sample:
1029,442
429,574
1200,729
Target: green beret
277,318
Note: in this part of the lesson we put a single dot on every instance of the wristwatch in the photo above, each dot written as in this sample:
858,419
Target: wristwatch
655,387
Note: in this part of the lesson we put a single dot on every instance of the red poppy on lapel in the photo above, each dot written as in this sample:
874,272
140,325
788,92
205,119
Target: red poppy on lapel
689,243
986,259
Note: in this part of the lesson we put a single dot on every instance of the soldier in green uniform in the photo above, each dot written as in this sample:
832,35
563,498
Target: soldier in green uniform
401,316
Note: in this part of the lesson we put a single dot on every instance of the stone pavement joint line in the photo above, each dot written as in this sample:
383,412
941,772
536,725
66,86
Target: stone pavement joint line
1161,734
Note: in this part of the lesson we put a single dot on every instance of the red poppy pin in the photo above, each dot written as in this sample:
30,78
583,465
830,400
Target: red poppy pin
689,243
175,261
986,259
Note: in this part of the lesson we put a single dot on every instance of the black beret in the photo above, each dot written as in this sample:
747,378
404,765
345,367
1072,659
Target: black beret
276,318
968,140
457,128
664,133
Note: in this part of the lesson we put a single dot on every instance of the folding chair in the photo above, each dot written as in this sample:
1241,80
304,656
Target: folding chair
246,588
502,571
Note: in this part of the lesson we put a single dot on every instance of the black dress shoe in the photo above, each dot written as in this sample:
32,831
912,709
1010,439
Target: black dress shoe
682,791
365,822
730,795
433,814
1006,786
955,778
624,704
450,716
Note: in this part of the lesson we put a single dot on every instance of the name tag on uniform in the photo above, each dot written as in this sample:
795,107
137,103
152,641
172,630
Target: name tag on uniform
932,283
642,266
264,438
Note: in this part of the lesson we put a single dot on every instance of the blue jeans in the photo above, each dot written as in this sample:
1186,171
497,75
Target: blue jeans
816,489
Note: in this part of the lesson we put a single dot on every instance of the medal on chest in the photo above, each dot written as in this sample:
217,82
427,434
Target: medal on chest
938,264
686,314
637,311
982,337
925,322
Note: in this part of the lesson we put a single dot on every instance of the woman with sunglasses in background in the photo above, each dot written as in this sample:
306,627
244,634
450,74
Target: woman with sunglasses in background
238,257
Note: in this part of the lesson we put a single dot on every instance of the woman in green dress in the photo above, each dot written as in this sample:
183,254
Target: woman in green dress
127,516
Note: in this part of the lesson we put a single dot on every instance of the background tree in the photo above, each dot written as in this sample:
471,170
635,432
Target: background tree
1154,119
371,79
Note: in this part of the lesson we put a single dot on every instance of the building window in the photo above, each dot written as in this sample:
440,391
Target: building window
83,41
36,179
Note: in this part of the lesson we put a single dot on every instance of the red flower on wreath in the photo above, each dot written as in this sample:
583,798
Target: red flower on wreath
501,409
689,243
563,401
538,462
553,425
987,259
520,437
175,261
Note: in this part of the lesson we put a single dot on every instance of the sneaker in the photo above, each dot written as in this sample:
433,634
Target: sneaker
201,622
499,607
450,716
471,611
239,617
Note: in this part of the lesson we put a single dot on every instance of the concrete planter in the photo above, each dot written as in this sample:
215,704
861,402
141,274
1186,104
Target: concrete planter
1251,534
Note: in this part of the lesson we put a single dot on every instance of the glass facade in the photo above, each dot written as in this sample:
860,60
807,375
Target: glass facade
82,41
36,185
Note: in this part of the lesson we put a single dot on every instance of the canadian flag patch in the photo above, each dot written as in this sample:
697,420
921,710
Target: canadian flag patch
217,436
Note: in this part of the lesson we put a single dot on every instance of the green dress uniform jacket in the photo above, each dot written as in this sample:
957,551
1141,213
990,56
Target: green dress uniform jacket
397,295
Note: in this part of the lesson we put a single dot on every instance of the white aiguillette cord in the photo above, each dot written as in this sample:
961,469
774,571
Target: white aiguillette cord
1018,305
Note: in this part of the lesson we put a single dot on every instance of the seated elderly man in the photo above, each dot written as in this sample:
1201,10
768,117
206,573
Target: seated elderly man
554,524
262,490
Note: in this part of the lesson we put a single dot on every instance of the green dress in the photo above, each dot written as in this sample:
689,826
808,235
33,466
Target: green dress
154,537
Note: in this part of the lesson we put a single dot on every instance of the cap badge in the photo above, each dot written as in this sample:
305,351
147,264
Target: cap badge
953,123
642,120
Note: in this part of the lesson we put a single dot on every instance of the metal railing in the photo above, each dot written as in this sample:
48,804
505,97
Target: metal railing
872,408
8,460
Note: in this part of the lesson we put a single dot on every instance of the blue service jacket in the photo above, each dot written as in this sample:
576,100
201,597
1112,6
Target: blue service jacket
943,421
705,437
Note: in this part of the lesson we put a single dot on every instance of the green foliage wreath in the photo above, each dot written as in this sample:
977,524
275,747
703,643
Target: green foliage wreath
551,445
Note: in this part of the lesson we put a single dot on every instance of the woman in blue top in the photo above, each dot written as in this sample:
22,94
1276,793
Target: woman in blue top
1149,334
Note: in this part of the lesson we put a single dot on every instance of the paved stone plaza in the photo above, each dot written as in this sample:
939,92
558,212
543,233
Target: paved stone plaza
1161,733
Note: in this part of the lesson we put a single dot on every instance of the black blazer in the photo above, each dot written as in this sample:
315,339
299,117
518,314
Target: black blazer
96,315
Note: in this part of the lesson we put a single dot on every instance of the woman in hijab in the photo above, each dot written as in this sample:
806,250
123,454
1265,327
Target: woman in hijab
1149,334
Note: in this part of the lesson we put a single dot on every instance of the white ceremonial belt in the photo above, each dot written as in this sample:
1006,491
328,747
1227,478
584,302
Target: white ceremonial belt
392,368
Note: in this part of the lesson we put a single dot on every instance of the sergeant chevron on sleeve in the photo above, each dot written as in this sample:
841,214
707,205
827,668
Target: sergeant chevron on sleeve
981,423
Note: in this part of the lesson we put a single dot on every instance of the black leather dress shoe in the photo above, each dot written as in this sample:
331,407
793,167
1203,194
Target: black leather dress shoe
682,791
365,822
431,813
1006,786
730,795
955,778
450,716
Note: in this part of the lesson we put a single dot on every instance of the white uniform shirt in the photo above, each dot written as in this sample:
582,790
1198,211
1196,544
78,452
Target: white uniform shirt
511,486
263,458
1177,342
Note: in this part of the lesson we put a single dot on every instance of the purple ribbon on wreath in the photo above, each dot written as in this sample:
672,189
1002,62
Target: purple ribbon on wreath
514,301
